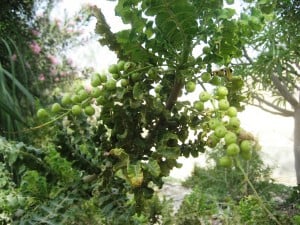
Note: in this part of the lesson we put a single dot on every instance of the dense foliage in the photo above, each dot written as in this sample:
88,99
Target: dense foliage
102,151
226,197
271,64
32,60
15,14
140,126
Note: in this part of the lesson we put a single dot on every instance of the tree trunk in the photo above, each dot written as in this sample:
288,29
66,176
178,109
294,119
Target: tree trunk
297,142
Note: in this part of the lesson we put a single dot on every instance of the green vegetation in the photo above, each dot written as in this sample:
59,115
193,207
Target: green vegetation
33,61
275,68
226,196
99,153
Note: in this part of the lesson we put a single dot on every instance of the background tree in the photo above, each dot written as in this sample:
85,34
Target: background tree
33,57
14,16
273,66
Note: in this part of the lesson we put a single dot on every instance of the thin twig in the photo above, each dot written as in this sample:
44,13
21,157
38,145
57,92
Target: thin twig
281,111
256,194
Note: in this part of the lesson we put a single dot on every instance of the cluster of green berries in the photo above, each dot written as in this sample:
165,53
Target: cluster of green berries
82,100
224,128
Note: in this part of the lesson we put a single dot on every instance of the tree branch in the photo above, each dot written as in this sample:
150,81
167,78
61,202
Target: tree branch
284,91
240,64
280,111
292,69
178,85
297,65
108,38
174,95
246,55
270,111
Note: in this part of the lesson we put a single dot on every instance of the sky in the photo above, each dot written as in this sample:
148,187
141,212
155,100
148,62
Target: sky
89,50
91,53
275,133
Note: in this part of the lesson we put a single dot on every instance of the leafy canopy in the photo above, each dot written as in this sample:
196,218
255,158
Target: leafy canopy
127,132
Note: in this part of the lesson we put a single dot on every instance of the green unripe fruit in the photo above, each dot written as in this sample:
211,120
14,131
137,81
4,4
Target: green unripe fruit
215,81
234,123
42,114
56,107
205,77
206,50
66,99
136,77
116,76
220,131
95,80
190,86
113,69
233,149
76,110
103,78
212,140
226,161
230,138
204,96
157,88
222,91
121,65
231,111
246,146
124,82
246,155
111,85
199,106
83,95
213,123
128,65
89,110
75,99
223,104
96,92
79,88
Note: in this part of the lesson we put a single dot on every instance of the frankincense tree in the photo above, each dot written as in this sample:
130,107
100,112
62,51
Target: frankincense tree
127,132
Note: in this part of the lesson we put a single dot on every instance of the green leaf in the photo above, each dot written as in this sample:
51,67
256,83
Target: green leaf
122,156
135,174
11,111
226,13
120,173
17,83
138,91
152,167
123,36
262,2
119,153
33,184
168,146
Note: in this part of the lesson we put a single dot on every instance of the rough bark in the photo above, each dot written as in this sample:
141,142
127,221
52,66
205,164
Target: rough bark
297,142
